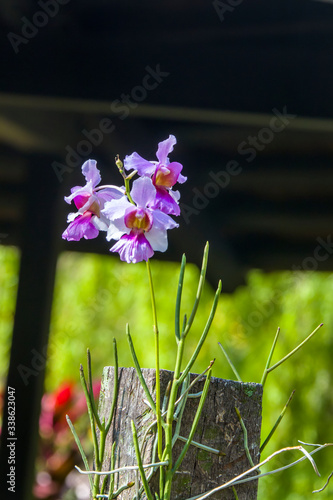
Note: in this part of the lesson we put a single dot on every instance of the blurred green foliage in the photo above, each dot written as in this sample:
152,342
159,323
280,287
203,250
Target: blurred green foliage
96,295
9,263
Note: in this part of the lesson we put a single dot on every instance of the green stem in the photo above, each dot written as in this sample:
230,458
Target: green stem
204,334
115,387
79,445
91,391
269,359
180,410
93,430
139,462
102,439
179,297
246,445
235,493
113,464
126,178
294,350
138,370
172,470
167,455
280,417
232,366
90,413
157,363
202,446
195,422
199,290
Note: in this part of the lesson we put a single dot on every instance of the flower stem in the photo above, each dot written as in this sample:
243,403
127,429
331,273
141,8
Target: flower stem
269,359
157,363
294,350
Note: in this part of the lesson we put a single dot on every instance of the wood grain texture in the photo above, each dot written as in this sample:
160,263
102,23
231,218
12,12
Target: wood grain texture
219,428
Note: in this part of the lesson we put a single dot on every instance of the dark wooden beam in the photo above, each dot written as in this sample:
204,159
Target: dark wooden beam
31,328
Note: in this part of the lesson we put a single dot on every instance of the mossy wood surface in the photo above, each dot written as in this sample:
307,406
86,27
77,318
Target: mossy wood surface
219,428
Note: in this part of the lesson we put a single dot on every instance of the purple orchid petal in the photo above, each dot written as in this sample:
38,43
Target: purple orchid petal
108,194
116,229
181,179
133,248
163,221
81,227
167,176
165,202
158,239
164,148
136,162
101,223
80,200
91,172
115,209
86,190
176,168
143,191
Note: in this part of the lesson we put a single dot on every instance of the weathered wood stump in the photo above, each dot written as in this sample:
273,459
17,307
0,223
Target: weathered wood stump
219,428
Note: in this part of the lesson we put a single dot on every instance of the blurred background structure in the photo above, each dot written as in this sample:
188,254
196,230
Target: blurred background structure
245,86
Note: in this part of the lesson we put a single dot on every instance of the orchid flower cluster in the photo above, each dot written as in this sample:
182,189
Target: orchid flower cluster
138,219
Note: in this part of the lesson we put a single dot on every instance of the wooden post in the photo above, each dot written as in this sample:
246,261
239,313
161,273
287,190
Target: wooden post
25,380
219,428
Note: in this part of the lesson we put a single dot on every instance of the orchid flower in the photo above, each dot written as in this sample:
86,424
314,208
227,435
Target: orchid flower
89,200
139,228
164,175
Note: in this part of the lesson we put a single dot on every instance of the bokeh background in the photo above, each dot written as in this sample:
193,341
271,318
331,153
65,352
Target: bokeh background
246,87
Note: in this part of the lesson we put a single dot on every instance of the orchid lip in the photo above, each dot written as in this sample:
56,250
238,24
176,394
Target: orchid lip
138,219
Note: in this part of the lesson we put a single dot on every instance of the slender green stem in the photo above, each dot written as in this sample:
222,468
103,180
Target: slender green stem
102,439
199,290
204,334
167,454
230,363
246,445
235,493
91,415
139,462
126,178
195,422
93,430
91,391
115,387
294,350
113,463
180,410
202,446
79,445
157,363
123,488
269,359
197,378
138,370
128,189
179,297
275,426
